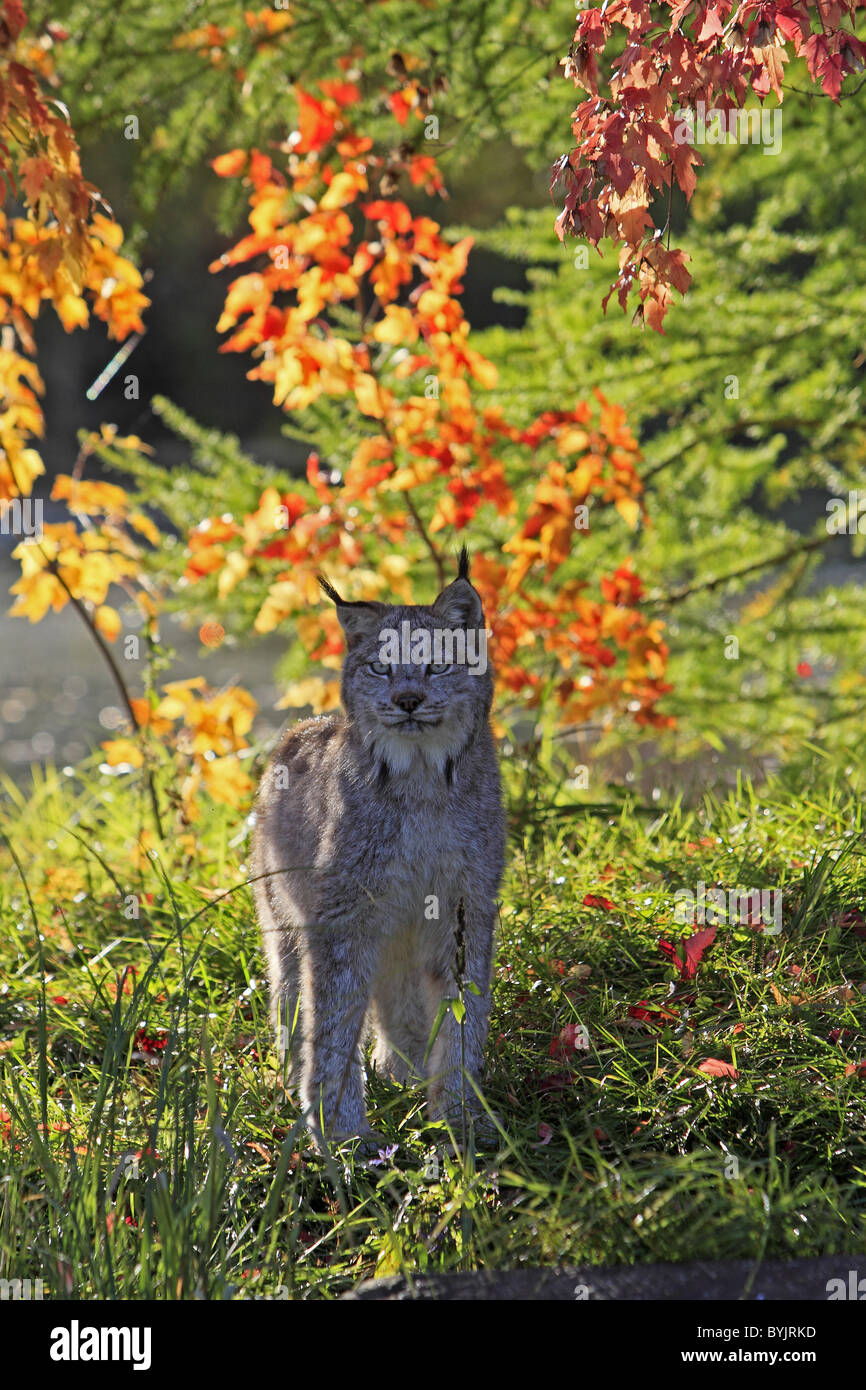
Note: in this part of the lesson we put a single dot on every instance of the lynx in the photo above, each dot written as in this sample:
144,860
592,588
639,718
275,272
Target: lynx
378,852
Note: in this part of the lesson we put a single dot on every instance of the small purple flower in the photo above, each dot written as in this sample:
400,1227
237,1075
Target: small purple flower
385,1156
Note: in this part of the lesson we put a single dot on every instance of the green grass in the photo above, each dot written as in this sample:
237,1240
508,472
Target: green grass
148,1149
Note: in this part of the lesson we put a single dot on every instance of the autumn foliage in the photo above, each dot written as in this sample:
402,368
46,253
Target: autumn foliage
670,57
354,300
64,249
349,304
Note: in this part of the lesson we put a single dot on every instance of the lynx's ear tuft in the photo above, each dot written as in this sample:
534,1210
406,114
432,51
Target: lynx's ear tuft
327,587
358,620
459,604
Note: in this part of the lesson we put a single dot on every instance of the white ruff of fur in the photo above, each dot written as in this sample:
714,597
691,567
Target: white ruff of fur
427,751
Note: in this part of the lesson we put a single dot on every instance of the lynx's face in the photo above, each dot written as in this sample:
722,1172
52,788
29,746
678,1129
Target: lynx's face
416,680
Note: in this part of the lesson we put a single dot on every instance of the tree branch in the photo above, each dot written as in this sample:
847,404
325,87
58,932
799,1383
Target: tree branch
107,655
426,538
792,553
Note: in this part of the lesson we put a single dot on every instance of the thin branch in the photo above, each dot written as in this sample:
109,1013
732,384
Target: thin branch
423,533
792,553
108,657
410,502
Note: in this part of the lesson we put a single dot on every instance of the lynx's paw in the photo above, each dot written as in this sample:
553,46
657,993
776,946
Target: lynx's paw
366,1141
484,1128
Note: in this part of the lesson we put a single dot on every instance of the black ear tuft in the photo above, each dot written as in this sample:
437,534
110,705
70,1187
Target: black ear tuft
463,563
358,618
329,589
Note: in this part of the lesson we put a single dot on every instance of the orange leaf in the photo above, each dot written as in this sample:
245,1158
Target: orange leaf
229,165
122,750
714,1067
108,622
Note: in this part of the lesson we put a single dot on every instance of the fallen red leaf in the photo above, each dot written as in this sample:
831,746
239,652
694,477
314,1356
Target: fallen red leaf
692,948
853,920
713,1066
647,1014
571,1039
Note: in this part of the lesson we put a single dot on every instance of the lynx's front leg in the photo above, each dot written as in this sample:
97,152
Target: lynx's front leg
338,965
457,1056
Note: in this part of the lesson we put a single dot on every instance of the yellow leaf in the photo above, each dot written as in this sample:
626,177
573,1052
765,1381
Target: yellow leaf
629,510
235,569
144,524
122,750
36,594
88,497
283,598
482,369
395,569
107,621
314,691
369,396
226,165
266,519
341,190
396,326
72,311
571,440
417,472
226,780
109,231
27,467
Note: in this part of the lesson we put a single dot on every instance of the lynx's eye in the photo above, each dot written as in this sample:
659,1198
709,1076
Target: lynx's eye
439,668
380,668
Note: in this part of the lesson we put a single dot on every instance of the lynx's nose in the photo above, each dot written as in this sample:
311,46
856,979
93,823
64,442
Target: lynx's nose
406,701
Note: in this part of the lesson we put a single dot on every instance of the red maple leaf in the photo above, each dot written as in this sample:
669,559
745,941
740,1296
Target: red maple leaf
645,1013
692,948
591,900
712,27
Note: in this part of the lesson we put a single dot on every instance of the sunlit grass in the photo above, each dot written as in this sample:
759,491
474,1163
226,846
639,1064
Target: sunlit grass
148,1148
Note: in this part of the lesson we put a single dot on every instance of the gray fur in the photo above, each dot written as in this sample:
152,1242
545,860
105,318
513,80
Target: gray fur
361,821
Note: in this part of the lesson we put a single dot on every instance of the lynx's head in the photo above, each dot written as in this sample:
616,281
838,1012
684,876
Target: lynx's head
416,680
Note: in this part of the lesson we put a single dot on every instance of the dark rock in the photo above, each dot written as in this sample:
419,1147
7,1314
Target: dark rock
788,1280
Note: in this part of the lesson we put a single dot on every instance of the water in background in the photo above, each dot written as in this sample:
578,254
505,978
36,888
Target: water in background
58,700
